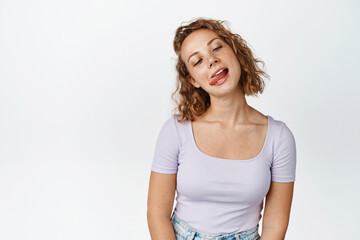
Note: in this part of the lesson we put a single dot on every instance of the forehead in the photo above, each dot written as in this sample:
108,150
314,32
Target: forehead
195,41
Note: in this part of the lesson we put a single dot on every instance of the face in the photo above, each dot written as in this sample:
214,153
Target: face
211,62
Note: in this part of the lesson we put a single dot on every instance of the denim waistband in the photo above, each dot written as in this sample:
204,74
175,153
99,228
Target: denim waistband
188,233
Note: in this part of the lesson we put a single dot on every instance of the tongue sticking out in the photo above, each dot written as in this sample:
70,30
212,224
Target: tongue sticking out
218,77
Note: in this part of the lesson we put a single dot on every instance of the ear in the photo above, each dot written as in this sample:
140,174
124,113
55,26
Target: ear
192,81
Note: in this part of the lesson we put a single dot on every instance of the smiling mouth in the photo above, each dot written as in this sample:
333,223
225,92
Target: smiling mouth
219,75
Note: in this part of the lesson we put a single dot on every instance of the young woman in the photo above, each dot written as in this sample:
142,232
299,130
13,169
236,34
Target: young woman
221,156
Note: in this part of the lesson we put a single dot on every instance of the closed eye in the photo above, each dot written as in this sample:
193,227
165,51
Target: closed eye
197,62
215,49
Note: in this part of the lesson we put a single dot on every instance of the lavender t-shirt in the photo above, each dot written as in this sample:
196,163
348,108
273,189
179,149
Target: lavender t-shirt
216,195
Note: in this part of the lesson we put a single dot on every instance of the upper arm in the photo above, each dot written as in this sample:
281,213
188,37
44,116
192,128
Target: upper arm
161,193
279,197
283,166
278,205
167,149
164,168
277,210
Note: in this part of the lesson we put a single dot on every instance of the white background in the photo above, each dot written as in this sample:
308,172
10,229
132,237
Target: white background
85,87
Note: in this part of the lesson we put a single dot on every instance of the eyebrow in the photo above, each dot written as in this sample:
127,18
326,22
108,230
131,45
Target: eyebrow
207,44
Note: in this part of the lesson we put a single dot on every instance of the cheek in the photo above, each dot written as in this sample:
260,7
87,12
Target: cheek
199,73
238,64
235,62
232,55
204,73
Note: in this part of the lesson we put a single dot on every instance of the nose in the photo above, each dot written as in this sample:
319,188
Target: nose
213,61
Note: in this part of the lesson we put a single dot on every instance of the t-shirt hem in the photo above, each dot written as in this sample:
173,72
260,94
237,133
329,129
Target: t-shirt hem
164,171
283,180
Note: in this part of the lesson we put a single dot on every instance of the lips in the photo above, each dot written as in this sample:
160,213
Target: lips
219,74
218,70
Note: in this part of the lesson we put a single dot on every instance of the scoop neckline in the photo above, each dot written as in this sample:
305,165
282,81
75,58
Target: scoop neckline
233,160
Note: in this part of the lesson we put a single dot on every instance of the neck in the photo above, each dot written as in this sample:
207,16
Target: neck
230,110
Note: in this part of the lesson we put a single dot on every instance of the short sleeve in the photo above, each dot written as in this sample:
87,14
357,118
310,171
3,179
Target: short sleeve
284,159
167,149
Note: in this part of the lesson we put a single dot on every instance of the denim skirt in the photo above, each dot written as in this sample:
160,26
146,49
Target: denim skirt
185,232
